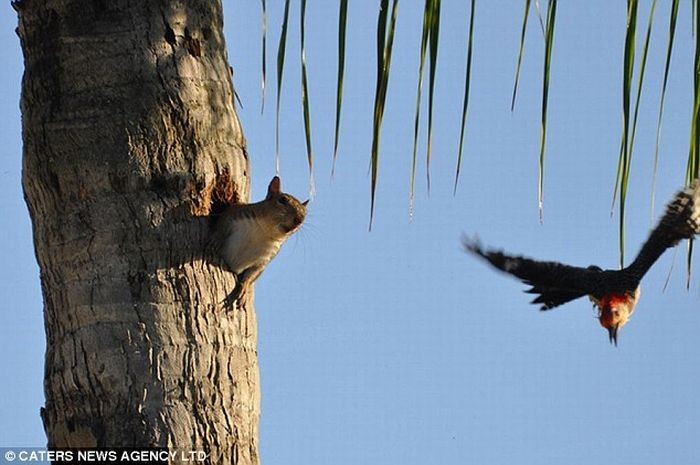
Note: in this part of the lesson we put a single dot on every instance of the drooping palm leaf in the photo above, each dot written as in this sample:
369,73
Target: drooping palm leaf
264,55
693,165
427,20
434,41
385,42
669,49
630,146
465,101
520,52
549,41
305,99
640,80
689,263
281,49
623,161
693,169
342,26
539,16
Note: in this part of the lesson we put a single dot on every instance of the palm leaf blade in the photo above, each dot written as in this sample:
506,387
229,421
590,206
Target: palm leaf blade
427,12
263,77
621,180
669,49
305,98
434,41
281,48
465,101
520,52
342,27
385,41
549,41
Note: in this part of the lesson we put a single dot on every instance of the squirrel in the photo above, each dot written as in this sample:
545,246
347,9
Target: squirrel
248,236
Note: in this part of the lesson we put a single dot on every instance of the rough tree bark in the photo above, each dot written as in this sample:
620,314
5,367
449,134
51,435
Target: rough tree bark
130,139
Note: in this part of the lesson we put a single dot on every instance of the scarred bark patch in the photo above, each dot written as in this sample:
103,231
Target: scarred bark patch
218,195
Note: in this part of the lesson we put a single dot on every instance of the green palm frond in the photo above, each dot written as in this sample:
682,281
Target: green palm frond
434,41
669,48
342,27
305,99
693,168
465,100
281,49
623,162
520,52
385,42
263,77
427,27
549,42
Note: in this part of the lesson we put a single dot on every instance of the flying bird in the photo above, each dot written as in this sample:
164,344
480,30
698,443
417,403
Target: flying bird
615,293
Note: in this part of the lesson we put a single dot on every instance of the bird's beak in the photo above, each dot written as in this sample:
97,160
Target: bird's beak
306,202
612,333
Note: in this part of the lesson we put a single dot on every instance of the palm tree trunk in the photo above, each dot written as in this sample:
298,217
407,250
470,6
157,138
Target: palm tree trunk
130,137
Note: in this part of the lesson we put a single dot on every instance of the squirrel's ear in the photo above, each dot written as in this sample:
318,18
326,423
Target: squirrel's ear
274,189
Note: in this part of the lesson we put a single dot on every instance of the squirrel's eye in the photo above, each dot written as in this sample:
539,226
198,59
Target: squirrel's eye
283,200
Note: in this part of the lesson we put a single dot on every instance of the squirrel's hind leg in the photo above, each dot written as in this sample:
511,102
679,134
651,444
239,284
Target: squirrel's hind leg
244,281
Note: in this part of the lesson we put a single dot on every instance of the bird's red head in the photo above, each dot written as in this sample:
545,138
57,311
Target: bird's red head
614,311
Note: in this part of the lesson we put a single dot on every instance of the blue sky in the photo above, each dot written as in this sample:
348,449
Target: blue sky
393,346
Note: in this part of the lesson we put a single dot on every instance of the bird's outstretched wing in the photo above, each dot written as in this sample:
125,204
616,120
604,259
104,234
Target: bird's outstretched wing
555,283
680,221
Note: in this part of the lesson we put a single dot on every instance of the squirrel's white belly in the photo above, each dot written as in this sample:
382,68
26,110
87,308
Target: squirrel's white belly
248,245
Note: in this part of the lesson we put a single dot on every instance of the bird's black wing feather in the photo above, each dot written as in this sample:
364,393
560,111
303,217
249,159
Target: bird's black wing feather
681,220
554,283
